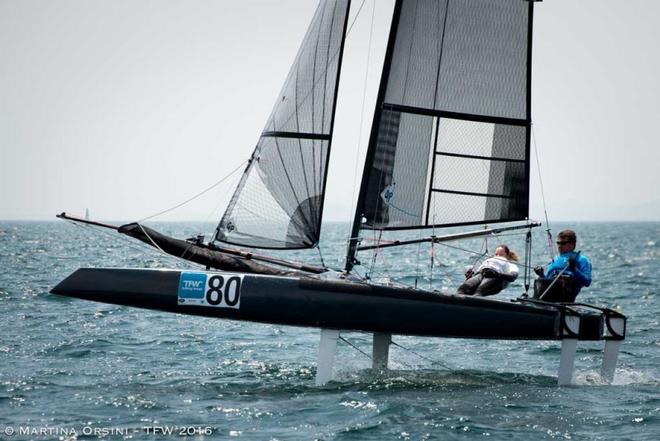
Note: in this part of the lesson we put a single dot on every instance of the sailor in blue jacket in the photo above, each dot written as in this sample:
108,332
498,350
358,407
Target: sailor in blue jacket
577,265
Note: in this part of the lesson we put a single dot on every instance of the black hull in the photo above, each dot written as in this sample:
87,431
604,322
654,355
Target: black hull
301,301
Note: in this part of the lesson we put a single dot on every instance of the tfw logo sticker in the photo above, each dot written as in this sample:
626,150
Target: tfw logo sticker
191,286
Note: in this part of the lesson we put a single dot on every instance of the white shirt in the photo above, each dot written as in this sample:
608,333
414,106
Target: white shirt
501,266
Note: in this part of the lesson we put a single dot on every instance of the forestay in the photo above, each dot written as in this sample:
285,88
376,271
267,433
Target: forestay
279,200
450,137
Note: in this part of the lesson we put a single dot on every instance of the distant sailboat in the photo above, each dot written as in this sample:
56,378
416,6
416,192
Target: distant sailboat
449,146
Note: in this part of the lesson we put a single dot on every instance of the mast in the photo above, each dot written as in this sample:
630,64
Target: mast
528,139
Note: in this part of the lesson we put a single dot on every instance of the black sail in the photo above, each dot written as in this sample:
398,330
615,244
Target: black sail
450,138
278,203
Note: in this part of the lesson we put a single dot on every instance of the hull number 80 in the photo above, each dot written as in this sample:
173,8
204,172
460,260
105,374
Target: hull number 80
223,291
210,289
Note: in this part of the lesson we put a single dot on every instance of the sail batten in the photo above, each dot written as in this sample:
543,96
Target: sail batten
296,135
454,115
279,201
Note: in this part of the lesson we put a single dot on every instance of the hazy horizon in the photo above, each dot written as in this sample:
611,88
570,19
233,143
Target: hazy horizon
347,222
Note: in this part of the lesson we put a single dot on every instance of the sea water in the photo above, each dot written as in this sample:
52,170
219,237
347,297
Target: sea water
72,369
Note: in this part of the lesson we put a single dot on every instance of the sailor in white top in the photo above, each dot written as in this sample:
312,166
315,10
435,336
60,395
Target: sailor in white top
493,275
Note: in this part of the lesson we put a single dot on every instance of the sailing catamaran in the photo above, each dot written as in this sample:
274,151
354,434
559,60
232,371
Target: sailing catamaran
449,146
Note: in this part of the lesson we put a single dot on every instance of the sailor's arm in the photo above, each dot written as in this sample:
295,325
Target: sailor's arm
554,267
582,272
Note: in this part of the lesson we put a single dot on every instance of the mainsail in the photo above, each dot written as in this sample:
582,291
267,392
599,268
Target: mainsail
449,144
450,137
279,201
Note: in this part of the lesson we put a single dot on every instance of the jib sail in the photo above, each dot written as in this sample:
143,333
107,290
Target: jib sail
279,201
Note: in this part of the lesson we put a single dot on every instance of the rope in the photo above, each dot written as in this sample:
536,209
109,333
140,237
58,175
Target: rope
131,243
472,252
376,252
419,250
553,282
480,256
357,14
206,190
432,264
528,259
545,210
150,239
321,256
371,271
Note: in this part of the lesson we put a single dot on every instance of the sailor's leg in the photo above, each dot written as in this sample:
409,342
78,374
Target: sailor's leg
490,286
325,362
381,350
470,285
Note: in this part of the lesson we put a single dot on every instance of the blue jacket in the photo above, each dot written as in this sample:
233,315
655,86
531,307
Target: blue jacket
582,273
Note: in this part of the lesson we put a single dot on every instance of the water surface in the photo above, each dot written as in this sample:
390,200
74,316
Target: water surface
69,364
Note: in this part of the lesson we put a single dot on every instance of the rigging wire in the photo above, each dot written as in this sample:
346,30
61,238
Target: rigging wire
420,356
153,242
214,214
318,247
132,244
357,14
376,252
353,206
372,272
432,254
480,255
545,210
471,251
206,190
392,342
432,264
355,347
528,259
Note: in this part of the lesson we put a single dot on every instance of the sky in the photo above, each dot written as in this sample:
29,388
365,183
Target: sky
130,107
